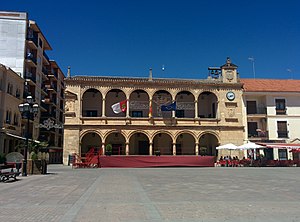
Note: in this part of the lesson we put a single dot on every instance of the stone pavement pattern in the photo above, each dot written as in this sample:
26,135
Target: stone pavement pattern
154,194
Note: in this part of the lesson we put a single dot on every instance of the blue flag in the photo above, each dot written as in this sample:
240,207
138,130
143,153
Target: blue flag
170,107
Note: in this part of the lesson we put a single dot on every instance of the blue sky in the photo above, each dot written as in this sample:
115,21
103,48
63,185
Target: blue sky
127,37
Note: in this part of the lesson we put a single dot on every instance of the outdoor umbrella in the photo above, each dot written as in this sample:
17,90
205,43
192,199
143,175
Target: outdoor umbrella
250,146
228,146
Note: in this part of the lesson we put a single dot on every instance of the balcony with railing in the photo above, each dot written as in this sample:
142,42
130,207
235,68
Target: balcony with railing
31,58
258,134
31,76
281,111
32,37
259,110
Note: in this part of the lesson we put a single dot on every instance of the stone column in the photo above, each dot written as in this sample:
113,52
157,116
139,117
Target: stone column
197,149
127,149
103,107
103,148
174,149
196,108
127,110
150,108
150,149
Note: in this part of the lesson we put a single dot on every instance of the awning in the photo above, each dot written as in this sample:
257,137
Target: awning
281,145
20,137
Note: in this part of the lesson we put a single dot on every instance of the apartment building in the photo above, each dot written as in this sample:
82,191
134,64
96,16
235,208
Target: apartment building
272,113
23,48
11,89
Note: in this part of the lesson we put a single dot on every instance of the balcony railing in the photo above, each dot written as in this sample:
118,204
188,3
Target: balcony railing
29,75
31,57
281,111
258,134
33,39
260,110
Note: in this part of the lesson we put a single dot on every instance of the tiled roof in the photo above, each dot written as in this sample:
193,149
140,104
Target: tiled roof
271,85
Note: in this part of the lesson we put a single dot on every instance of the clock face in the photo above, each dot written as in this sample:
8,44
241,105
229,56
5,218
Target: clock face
230,96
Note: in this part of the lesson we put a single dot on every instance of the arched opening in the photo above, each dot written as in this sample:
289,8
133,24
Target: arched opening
139,104
139,144
207,145
185,144
114,96
185,105
207,105
92,103
160,98
88,141
163,142
117,142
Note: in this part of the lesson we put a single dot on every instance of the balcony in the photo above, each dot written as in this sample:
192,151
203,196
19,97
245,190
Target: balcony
51,87
31,76
45,70
281,111
31,59
258,135
32,40
261,110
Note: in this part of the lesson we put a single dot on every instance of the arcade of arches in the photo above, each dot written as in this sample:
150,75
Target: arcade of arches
141,105
139,143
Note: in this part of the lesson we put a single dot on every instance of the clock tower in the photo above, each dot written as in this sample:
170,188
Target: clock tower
229,72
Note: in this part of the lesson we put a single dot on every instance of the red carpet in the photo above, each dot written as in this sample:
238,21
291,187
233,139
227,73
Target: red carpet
156,161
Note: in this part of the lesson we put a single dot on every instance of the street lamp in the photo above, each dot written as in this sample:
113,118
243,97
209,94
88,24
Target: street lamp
27,109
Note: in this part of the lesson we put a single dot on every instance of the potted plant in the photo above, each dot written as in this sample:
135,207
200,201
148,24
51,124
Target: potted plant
108,150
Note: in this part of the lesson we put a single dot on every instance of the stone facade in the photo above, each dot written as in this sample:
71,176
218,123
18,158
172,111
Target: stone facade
208,113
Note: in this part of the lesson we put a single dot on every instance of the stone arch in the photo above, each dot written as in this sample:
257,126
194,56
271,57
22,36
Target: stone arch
117,141
89,139
185,102
161,97
139,103
185,144
207,105
91,103
163,142
208,142
112,97
139,144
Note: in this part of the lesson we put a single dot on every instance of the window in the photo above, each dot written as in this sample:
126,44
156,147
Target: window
251,107
282,129
16,118
280,107
252,129
8,117
282,154
137,113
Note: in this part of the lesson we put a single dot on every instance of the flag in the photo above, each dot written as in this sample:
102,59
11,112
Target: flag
119,107
170,107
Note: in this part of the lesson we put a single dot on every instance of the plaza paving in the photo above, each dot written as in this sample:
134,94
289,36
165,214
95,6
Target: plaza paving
154,194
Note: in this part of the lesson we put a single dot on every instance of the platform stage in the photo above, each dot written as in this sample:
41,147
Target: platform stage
156,161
